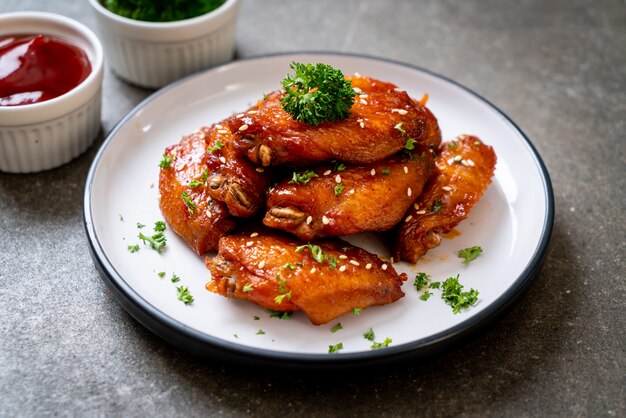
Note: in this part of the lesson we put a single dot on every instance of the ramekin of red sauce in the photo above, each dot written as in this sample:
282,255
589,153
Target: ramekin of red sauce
51,70
36,68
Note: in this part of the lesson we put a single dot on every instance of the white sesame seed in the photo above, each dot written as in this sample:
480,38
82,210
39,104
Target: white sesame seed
249,244
384,267
464,162
458,158
262,264
351,191
358,90
354,263
409,192
406,169
416,206
463,136
420,212
359,120
402,112
219,126
313,270
260,169
450,161
362,125
342,268
325,220
241,115
408,218
357,74
343,257
391,260
253,112
254,234
470,162
476,142
397,89
363,101
363,96
208,213
368,266
338,178
222,131
309,219
373,172
446,188
327,172
223,160
243,127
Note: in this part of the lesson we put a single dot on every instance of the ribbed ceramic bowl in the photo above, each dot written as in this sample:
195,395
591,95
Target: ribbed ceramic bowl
153,54
45,135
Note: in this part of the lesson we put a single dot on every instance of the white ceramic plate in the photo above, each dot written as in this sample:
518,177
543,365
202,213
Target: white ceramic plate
512,223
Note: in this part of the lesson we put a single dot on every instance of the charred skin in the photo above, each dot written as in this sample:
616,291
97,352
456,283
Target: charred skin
465,167
371,200
321,292
210,220
272,137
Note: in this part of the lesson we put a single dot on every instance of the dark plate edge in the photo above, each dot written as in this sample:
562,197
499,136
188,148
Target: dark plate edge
201,344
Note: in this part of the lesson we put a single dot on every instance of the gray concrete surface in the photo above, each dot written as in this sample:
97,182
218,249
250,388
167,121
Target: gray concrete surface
558,68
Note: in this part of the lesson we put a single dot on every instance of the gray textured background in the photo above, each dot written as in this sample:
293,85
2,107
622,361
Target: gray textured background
557,68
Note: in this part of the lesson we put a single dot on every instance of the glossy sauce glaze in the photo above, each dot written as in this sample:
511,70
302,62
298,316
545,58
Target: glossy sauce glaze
36,68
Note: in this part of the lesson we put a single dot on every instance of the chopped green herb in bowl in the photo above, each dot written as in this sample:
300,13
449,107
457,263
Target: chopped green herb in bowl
161,10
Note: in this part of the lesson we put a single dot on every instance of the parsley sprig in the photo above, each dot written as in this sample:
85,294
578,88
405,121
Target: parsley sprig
302,178
470,254
184,295
454,296
317,93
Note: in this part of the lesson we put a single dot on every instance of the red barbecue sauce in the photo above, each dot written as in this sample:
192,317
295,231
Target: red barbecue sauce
36,68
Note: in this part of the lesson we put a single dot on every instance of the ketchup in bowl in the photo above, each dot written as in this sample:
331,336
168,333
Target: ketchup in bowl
36,68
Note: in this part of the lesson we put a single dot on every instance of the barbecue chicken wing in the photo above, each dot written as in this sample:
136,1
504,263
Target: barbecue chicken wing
202,221
465,168
325,280
374,197
272,137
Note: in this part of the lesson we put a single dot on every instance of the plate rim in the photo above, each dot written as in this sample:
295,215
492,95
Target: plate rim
197,342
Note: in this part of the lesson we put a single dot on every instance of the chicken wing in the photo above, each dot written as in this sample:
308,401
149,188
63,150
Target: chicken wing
325,280
465,168
272,137
196,217
355,199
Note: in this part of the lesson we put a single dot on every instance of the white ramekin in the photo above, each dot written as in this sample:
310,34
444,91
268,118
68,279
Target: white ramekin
153,54
45,135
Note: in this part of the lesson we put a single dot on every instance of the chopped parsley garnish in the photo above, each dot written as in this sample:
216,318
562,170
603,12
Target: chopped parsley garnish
339,166
336,327
410,144
454,296
184,295
197,183
279,299
165,162
235,335
437,206
159,226
280,314
469,254
218,146
133,248
260,332
369,335
161,274
175,278
302,178
338,189
385,171
332,263
316,252
426,295
434,285
356,311
399,128
140,225
421,279
121,218
191,207
452,146
335,348
281,286
256,318
156,241
289,266
385,343
317,93
248,288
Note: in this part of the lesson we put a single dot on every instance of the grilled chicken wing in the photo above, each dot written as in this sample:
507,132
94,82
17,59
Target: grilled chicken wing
278,273
356,199
465,168
272,137
204,220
